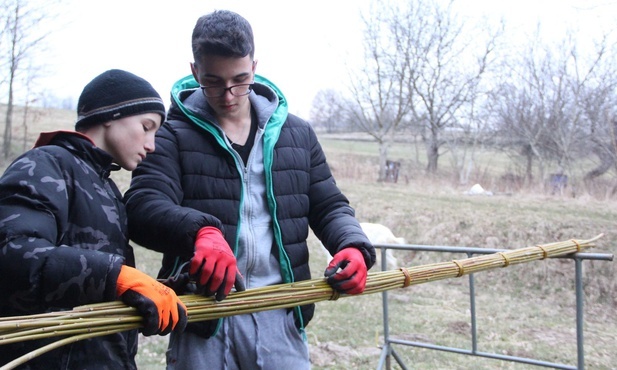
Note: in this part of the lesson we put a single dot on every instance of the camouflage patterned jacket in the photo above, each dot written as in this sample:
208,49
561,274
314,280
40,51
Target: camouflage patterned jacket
63,239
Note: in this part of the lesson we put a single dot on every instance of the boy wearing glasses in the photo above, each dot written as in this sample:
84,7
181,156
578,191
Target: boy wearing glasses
231,190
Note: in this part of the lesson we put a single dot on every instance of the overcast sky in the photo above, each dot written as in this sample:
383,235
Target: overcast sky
301,46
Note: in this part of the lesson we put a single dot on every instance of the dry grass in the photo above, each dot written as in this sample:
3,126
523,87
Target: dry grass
38,120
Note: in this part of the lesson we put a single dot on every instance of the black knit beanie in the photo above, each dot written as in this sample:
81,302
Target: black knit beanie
116,94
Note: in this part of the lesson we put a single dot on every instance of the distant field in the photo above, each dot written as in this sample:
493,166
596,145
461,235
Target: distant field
495,170
525,310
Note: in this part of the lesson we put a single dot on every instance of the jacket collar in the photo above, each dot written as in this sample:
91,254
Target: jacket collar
46,137
187,101
80,146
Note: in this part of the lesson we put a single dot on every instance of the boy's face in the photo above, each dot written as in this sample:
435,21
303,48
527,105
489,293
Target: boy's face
218,74
129,139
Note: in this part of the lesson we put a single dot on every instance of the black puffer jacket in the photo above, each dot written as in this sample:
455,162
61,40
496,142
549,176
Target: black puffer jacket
63,239
192,180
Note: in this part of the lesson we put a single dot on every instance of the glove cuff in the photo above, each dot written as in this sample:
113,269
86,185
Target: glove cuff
208,231
127,278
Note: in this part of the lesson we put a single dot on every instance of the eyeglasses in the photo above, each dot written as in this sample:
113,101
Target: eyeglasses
235,90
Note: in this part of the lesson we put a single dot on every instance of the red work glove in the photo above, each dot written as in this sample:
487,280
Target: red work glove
351,279
213,265
159,305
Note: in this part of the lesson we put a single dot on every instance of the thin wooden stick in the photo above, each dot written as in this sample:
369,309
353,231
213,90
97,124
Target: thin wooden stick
104,318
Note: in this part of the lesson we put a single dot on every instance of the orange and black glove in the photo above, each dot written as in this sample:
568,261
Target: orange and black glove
213,265
159,305
347,271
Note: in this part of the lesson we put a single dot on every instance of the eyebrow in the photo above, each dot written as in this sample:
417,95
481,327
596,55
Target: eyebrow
243,74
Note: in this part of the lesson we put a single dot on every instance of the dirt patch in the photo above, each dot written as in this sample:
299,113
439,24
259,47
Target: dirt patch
328,354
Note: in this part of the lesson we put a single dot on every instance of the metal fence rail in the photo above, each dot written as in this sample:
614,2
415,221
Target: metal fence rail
388,352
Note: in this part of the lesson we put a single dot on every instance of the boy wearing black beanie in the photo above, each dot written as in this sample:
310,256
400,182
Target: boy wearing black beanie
63,235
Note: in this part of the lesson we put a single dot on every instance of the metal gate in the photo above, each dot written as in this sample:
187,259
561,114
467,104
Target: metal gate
388,352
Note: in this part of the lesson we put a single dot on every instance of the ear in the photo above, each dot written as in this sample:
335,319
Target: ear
254,65
97,132
194,72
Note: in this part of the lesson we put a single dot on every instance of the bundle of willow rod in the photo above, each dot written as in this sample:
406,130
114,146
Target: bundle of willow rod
105,318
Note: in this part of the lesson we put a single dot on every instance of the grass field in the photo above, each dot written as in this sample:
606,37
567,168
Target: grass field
526,310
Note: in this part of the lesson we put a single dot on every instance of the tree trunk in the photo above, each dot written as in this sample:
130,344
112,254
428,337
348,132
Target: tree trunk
25,126
8,127
607,160
432,155
383,157
529,168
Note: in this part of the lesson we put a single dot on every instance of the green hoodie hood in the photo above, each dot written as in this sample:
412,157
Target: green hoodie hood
189,83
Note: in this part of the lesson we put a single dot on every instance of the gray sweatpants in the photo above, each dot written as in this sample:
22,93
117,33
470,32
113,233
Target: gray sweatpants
263,340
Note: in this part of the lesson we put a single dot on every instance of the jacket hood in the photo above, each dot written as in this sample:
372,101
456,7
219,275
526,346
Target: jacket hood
185,103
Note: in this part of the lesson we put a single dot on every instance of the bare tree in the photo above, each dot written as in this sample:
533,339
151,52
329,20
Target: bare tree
24,32
571,127
379,88
604,148
598,104
31,98
524,104
446,64
470,133
328,111
421,72
552,103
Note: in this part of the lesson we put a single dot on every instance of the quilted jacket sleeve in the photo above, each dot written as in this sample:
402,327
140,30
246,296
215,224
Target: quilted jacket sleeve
37,271
157,219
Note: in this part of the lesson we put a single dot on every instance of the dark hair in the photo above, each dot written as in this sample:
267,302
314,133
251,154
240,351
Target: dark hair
222,33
